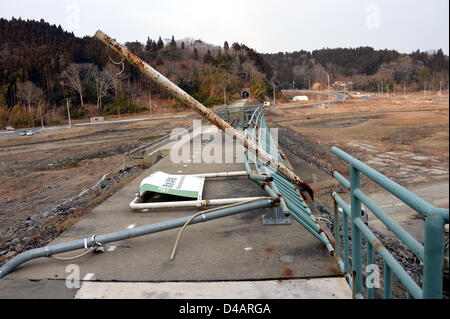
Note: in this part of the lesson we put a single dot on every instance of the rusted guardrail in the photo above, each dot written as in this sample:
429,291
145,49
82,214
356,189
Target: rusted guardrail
202,110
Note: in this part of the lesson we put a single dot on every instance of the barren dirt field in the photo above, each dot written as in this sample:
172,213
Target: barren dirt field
38,172
406,139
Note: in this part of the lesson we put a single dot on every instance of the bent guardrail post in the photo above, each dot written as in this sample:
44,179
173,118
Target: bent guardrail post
434,255
94,241
201,109
355,181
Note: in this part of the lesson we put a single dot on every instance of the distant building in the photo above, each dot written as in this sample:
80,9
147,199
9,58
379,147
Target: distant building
97,119
300,98
339,85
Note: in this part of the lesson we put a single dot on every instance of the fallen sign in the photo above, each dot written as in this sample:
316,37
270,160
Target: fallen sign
181,188
189,186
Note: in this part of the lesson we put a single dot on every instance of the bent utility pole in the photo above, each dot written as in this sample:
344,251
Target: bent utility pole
201,109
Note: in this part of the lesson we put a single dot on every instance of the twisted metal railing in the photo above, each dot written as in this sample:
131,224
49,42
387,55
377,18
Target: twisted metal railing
433,255
286,195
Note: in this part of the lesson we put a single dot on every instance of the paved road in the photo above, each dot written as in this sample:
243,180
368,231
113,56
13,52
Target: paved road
337,97
35,130
133,120
38,130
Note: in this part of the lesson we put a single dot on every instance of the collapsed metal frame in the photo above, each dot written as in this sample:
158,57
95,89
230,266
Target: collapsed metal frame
434,255
237,116
287,197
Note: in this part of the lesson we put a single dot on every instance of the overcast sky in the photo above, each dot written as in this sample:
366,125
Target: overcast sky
267,26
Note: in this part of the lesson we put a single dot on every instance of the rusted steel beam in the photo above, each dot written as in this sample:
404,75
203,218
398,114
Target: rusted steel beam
201,109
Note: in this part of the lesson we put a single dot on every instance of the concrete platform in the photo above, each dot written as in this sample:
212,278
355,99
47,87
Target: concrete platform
320,288
235,248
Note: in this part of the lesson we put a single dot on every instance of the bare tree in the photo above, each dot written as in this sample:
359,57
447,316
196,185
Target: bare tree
132,90
104,81
404,68
360,81
115,79
75,74
319,73
29,93
387,71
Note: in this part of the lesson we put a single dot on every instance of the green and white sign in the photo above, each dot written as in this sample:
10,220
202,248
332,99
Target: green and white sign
179,185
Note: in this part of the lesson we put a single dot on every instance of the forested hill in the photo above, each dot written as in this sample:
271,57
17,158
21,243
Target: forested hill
43,59
364,67
39,52
43,66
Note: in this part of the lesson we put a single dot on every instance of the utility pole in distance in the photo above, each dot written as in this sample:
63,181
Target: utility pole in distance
42,121
150,98
328,89
68,113
274,94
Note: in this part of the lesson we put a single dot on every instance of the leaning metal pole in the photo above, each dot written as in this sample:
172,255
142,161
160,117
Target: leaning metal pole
94,240
202,110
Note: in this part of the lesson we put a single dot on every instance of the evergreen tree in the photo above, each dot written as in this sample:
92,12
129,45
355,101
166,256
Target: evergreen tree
148,46
194,55
160,44
236,46
207,59
173,44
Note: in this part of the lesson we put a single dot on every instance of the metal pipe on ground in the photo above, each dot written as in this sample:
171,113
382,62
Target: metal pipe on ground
221,174
234,174
191,203
201,109
94,240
